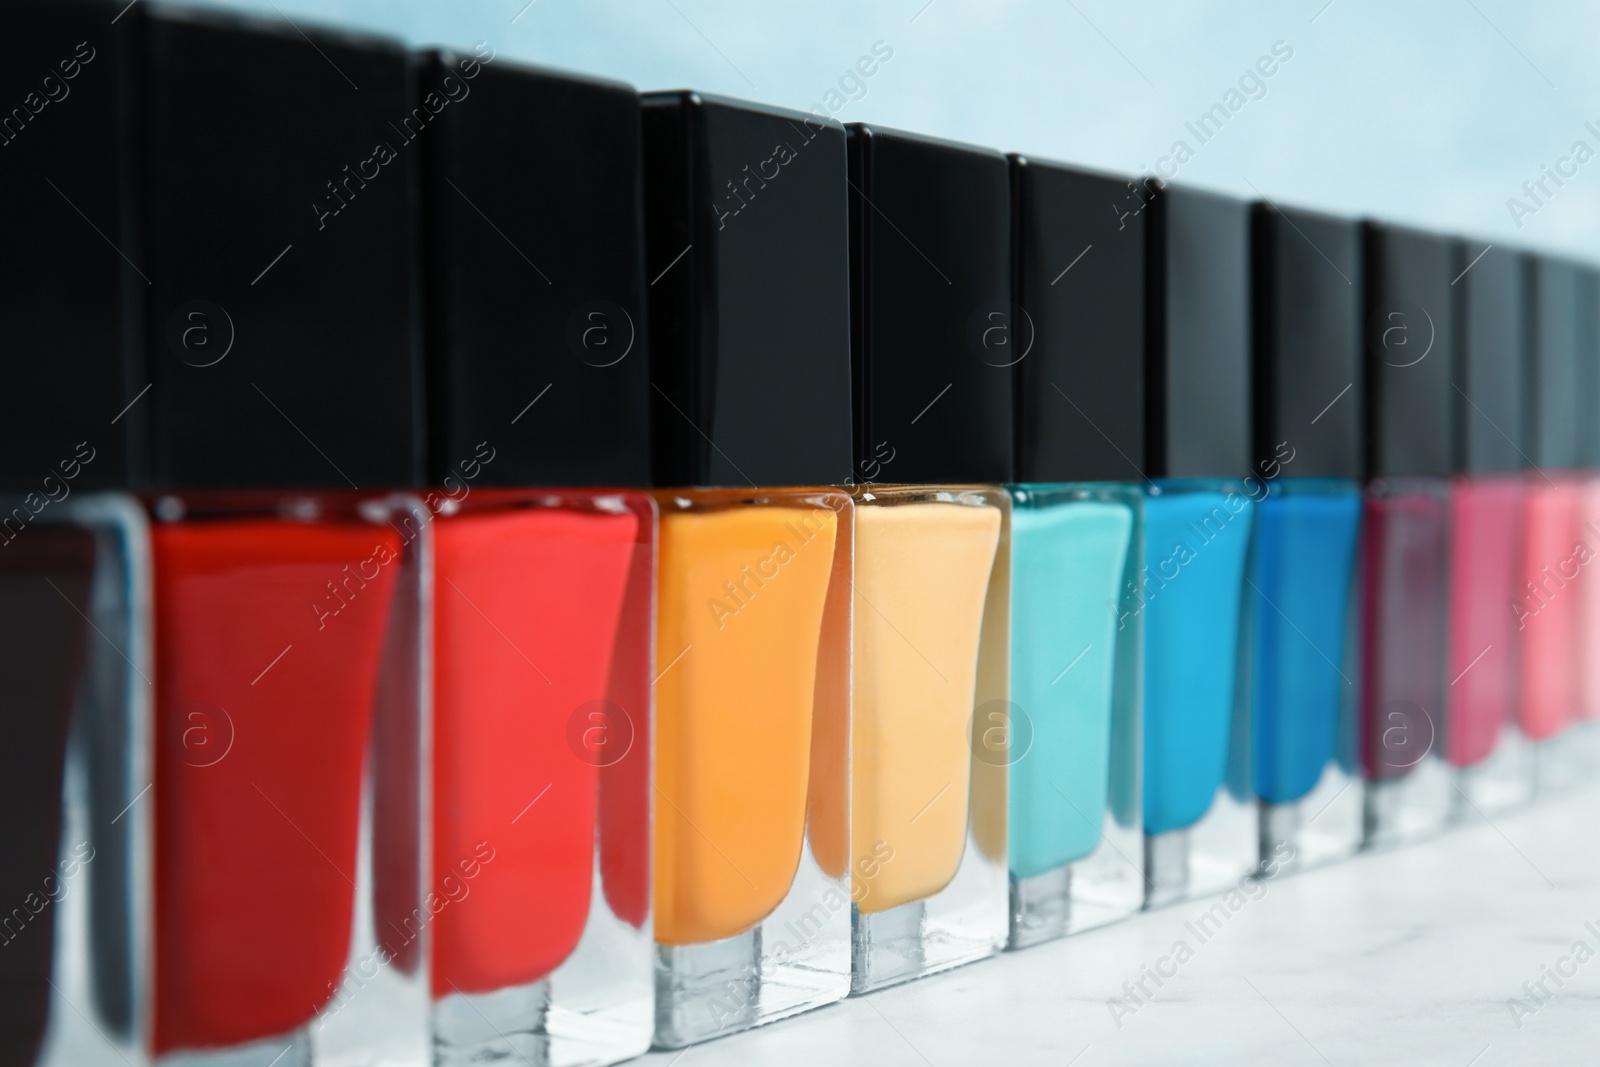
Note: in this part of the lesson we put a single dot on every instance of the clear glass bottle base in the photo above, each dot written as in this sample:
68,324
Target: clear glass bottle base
1504,781
507,1024
1324,826
1409,808
908,942
723,987
1041,907
287,1050
1566,760
1208,857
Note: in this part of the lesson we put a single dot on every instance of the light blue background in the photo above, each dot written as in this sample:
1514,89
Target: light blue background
1429,111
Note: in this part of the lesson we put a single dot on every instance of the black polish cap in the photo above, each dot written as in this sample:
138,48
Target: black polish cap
746,255
1078,242
1552,406
1587,338
934,334
1409,321
1197,335
1308,366
533,274
282,337
70,285
1491,357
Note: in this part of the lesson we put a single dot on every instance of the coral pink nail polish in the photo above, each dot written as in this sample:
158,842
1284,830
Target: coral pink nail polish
1488,506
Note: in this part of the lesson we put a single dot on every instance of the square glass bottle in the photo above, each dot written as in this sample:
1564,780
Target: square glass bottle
293,899
1488,505
1302,598
74,554
1075,852
747,240
1587,718
539,400
932,348
1410,327
1199,815
1550,604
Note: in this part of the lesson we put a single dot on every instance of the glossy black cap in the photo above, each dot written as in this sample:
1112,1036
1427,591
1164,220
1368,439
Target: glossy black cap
1409,323
1587,337
1078,269
1491,358
70,284
1308,364
1197,335
934,333
282,336
746,258
534,277
1553,402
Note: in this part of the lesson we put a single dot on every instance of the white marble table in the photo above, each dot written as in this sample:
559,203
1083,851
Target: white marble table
1405,957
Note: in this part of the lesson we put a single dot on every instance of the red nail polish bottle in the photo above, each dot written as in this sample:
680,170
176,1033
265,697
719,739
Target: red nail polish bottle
291,590
544,566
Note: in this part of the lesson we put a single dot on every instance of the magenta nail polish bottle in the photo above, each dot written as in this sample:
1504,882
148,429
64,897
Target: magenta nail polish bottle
1410,329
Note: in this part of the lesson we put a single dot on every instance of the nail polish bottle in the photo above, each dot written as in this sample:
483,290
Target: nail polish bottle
746,254
1488,504
1301,599
1548,606
1588,338
1200,821
539,416
934,342
75,665
1075,844
1410,341
293,902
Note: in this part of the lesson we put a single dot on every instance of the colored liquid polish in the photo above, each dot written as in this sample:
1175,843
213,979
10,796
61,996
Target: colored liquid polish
1549,602
520,583
1077,551
1589,611
922,573
1196,541
1403,626
544,580
1199,521
45,573
930,714
260,765
1485,553
743,590
1305,552
1071,559
751,859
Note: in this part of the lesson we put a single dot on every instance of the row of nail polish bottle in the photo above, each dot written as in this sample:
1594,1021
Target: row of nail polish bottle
517,568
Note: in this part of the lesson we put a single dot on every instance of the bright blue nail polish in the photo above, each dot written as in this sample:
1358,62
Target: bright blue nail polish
1300,596
1199,813
1197,535
1300,604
